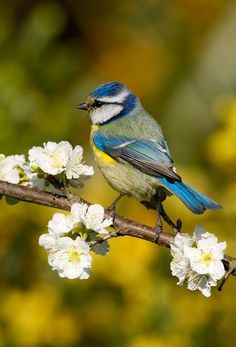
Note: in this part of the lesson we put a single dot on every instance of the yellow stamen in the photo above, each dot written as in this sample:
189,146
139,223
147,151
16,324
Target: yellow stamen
206,257
74,255
55,162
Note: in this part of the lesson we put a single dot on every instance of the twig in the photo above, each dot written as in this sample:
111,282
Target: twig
123,226
228,273
111,235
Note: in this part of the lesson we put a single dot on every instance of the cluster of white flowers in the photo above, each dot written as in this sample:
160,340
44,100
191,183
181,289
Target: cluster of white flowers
57,159
68,236
197,260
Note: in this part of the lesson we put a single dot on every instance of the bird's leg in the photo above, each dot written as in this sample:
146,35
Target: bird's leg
112,207
177,226
158,227
161,213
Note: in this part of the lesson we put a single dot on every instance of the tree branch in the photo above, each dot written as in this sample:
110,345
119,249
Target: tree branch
123,226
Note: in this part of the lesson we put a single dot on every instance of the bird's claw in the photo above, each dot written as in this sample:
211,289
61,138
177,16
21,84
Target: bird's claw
179,224
158,230
112,212
112,208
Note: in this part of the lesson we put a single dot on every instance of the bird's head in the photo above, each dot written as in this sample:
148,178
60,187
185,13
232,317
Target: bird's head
108,102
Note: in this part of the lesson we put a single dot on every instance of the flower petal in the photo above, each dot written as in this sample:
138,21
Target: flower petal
60,224
78,212
47,241
217,270
94,217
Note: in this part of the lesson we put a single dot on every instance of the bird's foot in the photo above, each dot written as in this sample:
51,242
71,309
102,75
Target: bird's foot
178,226
112,208
112,212
158,229
148,205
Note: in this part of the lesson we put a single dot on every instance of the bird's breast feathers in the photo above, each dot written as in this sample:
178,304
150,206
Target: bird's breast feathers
101,157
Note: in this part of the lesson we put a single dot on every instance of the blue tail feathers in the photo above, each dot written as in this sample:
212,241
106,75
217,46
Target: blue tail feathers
194,200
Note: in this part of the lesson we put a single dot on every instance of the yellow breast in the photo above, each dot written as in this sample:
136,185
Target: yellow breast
101,157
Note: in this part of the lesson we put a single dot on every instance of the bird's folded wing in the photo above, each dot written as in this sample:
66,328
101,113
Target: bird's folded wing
149,156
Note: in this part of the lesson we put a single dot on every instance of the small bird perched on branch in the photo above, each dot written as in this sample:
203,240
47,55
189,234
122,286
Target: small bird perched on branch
129,147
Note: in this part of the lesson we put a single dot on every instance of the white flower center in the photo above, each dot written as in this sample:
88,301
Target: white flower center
74,255
56,163
206,258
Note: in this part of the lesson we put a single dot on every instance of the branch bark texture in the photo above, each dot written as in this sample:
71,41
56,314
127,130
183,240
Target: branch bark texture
122,225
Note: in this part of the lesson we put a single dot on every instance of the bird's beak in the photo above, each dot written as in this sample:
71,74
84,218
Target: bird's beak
83,106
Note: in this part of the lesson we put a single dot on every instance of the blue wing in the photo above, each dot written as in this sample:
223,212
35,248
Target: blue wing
153,158
150,157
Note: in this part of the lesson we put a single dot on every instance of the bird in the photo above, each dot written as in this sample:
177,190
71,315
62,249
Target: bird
130,149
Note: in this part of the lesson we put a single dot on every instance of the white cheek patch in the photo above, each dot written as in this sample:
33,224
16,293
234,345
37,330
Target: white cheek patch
117,98
104,113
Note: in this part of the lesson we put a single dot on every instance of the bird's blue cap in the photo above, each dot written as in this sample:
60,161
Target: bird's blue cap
108,89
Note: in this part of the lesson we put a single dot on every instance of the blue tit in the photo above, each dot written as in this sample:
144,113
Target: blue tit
130,149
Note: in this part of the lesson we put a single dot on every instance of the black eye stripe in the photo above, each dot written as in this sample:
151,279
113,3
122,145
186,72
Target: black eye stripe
115,103
99,103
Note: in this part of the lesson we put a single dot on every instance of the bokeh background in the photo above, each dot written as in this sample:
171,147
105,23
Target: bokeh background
179,56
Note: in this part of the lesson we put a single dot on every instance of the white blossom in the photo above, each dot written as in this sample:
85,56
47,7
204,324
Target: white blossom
48,241
60,158
180,265
203,283
92,217
75,168
81,218
52,158
206,258
60,224
65,240
198,260
10,168
70,258
32,179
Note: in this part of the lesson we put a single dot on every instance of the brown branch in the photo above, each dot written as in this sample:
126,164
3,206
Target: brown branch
123,226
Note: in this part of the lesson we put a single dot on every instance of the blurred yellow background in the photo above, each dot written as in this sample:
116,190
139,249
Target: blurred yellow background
179,56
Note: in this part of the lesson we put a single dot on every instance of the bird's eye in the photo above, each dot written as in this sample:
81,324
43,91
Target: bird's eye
98,103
